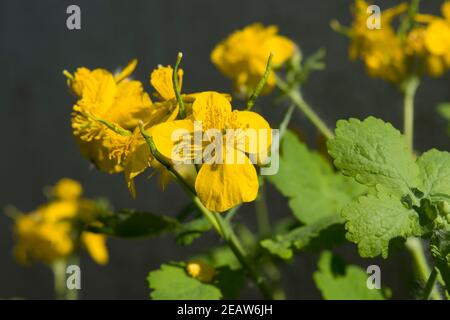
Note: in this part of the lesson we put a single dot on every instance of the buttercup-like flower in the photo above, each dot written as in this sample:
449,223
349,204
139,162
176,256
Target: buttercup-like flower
437,38
50,232
395,55
110,98
243,56
380,49
228,177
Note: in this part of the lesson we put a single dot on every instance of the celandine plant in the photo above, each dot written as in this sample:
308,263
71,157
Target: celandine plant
377,192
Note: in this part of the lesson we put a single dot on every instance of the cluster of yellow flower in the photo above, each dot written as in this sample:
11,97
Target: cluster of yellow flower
110,107
242,56
52,233
394,55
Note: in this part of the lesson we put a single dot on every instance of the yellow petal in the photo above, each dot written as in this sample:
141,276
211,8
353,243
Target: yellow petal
132,104
446,10
136,162
161,80
95,244
98,91
437,38
127,71
257,134
168,135
212,109
223,186
67,189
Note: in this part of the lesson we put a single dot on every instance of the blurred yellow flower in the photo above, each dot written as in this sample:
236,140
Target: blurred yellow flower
51,233
395,55
110,98
380,49
243,55
67,189
437,39
200,270
221,183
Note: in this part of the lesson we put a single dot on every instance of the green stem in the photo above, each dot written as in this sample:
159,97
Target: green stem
297,99
72,294
415,247
409,92
262,213
430,284
176,87
225,230
59,279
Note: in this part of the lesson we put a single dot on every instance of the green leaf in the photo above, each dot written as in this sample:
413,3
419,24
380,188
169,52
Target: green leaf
374,152
440,250
171,282
373,221
314,190
219,257
338,281
435,172
229,281
131,224
192,230
324,233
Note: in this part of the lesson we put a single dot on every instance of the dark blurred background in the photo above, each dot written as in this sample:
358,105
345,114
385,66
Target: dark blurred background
37,146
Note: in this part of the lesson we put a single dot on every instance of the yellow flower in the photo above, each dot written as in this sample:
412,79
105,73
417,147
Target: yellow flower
200,270
50,232
95,244
229,177
437,35
137,154
243,56
112,98
380,49
393,55
67,189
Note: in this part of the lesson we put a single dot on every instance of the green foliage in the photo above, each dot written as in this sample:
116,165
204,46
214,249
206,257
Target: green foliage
410,197
219,257
324,233
338,281
374,221
192,230
444,110
373,152
440,250
435,172
132,224
172,282
314,190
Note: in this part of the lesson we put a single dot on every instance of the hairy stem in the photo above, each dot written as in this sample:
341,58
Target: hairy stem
262,213
59,279
415,247
430,284
297,99
409,92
